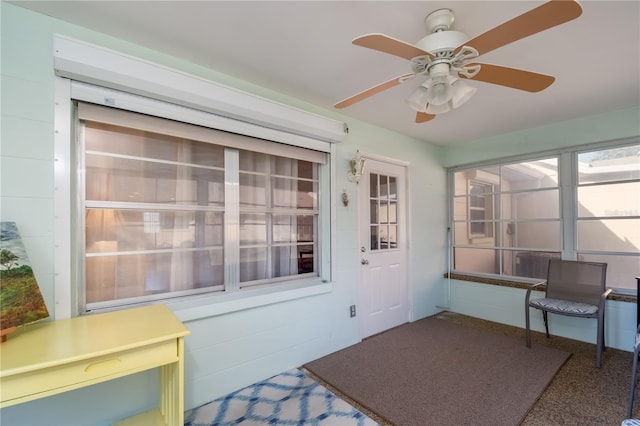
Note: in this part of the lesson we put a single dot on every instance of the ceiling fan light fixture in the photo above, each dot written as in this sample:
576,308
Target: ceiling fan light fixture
440,91
462,92
438,109
417,101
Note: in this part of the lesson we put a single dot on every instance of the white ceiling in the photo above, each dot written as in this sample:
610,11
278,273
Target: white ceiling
303,49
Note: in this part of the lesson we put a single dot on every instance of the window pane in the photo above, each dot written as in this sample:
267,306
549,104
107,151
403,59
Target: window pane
253,229
460,209
253,161
136,275
253,192
292,229
481,230
284,261
487,175
609,235
148,230
253,264
291,193
291,167
476,260
373,185
373,211
384,187
384,212
306,229
384,237
117,179
499,208
531,264
622,199
531,205
621,270
393,212
393,236
532,235
608,165
530,175
305,261
373,235
124,141
393,188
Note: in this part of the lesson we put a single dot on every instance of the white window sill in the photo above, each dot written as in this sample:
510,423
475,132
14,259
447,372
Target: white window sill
198,307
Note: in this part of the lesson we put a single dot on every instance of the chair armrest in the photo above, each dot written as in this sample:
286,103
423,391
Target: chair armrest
532,287
603,298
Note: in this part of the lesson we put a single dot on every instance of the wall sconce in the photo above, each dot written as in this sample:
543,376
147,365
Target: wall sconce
356,167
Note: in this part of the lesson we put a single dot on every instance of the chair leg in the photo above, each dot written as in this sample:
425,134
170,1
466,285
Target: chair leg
546,323
604,342
528,331
634,372
600,339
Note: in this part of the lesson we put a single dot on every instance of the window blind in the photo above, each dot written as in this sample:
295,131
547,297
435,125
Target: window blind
117,117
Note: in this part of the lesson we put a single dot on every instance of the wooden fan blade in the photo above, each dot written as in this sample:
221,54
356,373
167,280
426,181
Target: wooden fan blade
372,91
423,117
386,44
512,77
548,15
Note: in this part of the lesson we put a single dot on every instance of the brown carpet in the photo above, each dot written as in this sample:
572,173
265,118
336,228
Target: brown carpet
435,372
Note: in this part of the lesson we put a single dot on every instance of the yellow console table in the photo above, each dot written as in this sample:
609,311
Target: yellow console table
48,358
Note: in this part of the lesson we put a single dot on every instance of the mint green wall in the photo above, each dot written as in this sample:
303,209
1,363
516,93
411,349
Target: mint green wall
621,124
223,352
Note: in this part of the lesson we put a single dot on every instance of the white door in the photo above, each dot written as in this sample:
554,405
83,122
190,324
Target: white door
383,290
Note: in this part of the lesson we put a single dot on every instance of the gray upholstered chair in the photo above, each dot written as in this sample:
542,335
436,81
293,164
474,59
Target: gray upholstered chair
576,289
634,374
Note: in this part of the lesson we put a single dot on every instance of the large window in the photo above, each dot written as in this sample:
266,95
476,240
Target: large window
171,209
608,211
510,218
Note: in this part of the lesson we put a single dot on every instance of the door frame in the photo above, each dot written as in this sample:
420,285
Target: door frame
407,188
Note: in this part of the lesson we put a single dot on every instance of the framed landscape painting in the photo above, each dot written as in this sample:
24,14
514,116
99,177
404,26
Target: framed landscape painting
20,299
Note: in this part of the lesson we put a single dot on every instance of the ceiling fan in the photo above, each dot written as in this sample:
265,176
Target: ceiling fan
445,57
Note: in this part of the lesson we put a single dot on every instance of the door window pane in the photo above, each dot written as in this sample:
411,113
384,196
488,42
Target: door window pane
383,210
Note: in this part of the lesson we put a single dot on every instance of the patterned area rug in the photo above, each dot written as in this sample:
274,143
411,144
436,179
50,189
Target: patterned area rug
290,398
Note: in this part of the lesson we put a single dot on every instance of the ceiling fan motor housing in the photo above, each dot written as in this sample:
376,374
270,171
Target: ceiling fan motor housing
442,43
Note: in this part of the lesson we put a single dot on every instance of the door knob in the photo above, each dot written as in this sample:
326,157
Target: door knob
364,261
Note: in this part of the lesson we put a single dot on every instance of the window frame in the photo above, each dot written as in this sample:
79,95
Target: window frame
67,239
568,185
